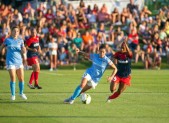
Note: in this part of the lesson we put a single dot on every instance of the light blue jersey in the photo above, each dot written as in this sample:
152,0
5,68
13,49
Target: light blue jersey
98,66
13,56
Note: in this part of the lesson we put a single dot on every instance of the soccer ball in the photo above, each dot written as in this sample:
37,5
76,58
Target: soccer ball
85,98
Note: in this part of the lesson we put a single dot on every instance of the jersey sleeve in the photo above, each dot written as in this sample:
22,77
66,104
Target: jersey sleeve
22,43
109,61
5,42
91,56
28,42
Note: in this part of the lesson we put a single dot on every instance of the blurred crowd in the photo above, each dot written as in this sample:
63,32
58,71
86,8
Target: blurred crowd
86,27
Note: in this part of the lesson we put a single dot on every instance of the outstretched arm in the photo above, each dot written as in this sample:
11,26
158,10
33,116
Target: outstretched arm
127,48
85,55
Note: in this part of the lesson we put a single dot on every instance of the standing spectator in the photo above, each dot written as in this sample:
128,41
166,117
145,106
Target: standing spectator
132,7
52,45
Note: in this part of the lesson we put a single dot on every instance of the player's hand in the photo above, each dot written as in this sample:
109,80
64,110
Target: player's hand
109,79
35,50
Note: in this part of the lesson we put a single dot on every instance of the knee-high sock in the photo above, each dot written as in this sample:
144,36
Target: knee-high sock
32,78
21,87
76,92
115,95
12,87
36,75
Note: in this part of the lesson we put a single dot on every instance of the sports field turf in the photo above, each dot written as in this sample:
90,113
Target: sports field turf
146,101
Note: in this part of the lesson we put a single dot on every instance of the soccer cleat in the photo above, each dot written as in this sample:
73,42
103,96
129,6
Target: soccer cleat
12,98
31,86
23,96
68,101
108,100
51,69
38,87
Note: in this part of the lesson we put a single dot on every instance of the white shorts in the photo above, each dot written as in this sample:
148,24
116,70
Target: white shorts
90,81
54,52
8,67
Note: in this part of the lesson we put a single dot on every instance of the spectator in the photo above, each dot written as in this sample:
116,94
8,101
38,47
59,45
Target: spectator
157,61
63,57
52,45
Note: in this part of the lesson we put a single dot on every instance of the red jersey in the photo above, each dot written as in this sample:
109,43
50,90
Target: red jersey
123,64
32,42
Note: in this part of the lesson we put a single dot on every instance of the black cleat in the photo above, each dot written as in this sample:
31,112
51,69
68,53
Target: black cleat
38,87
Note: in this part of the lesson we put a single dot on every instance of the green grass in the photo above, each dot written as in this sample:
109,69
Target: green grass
145,101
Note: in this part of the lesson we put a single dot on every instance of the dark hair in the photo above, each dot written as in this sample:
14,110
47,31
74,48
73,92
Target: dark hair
102,46
15,27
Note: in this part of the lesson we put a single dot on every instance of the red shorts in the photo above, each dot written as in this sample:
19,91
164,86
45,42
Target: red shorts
125,80
33,60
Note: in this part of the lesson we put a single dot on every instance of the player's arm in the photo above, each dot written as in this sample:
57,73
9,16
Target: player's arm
1,47
39,50
127,48
85,55
30,49
23,51
112,65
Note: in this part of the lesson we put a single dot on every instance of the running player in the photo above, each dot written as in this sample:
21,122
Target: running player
93,74
33,47
15,49
122,78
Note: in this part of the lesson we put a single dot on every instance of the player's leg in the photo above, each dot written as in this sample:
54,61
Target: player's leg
122,87
124,82
113,86
20,75
36,69
87,87
76,92
79,89
32,78
12,82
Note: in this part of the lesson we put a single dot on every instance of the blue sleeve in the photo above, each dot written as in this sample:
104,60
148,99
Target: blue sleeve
91,56
6,42
22,43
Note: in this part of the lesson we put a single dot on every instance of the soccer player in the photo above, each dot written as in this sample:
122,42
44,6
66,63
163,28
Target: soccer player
15,50
33,48
122,77
91,77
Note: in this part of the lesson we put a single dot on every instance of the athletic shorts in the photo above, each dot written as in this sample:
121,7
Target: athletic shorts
90,82
53,52
16,67
33,60
125,80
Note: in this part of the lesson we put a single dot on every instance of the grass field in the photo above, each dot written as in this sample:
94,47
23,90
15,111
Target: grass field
146,101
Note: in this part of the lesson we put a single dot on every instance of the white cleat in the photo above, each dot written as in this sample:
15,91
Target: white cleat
12,98
108,100
23,96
